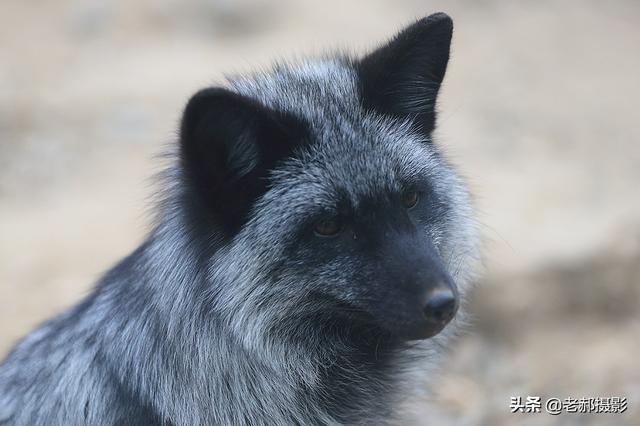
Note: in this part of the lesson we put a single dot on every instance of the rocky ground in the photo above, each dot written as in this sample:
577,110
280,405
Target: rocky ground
539,110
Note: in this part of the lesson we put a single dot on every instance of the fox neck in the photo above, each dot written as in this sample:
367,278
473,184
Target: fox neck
321,373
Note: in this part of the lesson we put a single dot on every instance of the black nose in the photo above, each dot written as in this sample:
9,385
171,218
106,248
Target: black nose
440,306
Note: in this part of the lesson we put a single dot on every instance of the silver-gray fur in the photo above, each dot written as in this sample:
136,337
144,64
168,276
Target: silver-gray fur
165,340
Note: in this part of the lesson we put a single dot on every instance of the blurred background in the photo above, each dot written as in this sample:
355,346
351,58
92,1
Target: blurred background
540,111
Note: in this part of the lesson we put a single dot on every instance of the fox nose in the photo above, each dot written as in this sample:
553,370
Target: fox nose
440,305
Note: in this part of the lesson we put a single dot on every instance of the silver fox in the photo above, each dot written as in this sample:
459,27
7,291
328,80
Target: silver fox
308,265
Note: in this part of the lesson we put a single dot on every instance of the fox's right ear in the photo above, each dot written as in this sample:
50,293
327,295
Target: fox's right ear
402,78
228,145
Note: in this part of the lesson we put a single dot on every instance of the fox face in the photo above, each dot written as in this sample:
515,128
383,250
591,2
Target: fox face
329,195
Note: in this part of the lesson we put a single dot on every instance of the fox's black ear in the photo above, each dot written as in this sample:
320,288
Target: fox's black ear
402,78
228,145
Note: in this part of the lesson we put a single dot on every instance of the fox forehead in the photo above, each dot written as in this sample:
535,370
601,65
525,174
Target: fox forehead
349,152
311,89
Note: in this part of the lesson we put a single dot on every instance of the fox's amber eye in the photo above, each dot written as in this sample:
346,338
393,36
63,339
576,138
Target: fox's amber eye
410,199
328,227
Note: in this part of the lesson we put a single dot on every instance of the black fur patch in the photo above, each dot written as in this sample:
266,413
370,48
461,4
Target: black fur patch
403,77
229,144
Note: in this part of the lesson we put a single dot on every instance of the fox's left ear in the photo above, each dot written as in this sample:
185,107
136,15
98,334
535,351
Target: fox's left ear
402,78
229,144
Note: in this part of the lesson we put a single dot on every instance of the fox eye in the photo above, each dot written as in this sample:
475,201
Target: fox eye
328,227
410,199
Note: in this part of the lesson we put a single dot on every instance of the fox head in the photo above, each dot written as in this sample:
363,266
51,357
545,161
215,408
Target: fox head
325,195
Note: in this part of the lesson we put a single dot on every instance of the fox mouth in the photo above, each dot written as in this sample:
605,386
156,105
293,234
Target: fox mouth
400,327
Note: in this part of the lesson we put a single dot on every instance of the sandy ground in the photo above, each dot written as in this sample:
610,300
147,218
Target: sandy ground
539,110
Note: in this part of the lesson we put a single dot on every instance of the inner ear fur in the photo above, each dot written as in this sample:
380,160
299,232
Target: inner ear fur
228,145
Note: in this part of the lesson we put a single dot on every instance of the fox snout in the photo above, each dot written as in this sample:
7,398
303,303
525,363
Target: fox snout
438,306
415,296
422,313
